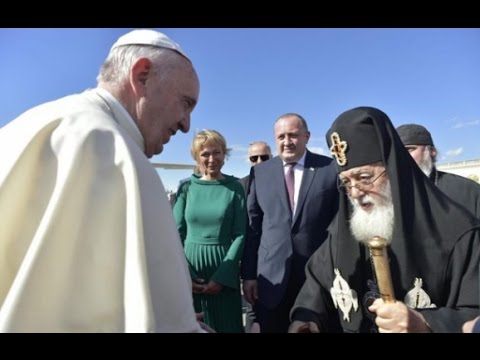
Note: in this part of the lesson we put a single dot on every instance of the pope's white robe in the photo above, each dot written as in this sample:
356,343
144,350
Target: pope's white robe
87,237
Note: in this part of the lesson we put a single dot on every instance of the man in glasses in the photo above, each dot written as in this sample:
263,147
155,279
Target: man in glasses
258,152
418,141
433,243
292,199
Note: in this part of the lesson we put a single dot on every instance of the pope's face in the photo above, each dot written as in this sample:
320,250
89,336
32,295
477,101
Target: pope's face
166,107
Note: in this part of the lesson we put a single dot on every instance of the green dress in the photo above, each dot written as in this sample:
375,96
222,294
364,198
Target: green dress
211,218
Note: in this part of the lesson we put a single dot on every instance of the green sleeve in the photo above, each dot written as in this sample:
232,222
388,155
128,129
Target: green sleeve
227,273
179,210
179,215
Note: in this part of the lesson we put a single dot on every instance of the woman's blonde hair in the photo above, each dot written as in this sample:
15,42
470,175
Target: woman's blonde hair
204,137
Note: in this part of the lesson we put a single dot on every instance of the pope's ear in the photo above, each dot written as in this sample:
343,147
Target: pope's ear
141,70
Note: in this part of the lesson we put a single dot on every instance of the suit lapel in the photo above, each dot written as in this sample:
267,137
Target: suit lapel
278,182
307,178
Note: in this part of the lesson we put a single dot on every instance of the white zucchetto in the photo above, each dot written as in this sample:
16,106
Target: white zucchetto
148,37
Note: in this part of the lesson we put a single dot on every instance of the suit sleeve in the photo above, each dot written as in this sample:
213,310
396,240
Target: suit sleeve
254,232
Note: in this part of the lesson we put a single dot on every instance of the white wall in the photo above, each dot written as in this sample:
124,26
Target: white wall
468,168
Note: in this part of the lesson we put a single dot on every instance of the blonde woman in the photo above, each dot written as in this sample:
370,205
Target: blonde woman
211,218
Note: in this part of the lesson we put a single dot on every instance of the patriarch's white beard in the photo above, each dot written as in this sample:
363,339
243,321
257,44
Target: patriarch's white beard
378,222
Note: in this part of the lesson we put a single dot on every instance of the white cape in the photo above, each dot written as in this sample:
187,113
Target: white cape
87,240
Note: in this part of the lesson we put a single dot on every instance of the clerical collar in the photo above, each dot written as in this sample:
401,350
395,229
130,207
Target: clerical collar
121,115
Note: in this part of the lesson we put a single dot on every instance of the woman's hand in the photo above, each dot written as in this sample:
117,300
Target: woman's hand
212,288
204,326
198,285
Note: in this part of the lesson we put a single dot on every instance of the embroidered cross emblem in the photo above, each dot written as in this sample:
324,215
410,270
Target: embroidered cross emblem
338,149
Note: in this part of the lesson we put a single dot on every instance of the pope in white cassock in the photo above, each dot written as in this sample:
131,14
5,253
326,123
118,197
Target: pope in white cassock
88,242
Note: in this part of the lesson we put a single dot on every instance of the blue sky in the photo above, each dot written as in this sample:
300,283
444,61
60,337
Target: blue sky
249,77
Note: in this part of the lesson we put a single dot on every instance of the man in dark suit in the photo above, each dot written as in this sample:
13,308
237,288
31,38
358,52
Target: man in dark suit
258,152
288,219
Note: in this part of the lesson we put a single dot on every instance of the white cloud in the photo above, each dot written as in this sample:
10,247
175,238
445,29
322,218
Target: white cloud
454,152
316,139
239,148
317,150
460,124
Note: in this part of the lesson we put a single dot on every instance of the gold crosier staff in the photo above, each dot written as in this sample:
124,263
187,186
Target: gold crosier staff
378,252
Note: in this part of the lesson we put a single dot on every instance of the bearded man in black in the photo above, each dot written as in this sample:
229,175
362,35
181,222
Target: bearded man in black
434,244
419,143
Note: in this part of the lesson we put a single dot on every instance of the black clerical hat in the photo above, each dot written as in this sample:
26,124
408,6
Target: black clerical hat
413,134
353,139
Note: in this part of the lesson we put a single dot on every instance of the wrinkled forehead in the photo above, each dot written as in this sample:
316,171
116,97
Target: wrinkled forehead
186,77
376,167
259,149
288,124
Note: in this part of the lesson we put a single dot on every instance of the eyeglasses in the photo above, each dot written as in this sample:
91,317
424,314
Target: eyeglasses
254,158
361,184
